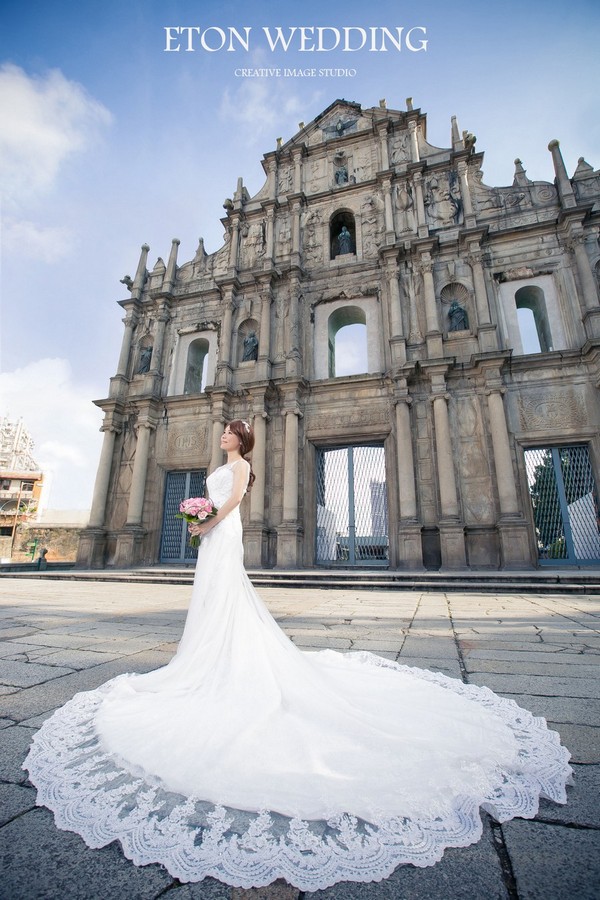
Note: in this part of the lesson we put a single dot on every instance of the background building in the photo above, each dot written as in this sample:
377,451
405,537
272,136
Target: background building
469,384
21,483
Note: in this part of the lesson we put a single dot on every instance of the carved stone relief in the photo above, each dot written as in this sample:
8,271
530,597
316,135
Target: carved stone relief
551,411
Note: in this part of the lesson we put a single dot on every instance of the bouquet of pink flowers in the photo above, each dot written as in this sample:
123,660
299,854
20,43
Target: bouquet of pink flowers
194,511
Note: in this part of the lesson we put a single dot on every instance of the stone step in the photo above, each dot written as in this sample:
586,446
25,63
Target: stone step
543,582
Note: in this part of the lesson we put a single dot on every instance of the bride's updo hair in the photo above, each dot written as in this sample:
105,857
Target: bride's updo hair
244,432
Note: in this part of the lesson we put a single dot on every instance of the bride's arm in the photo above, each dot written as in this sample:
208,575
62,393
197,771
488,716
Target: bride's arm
240,483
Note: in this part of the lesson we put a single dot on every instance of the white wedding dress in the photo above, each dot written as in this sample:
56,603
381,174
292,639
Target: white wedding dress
248,760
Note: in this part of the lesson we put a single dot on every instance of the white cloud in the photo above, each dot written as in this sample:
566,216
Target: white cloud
31,241
261,106
58,412
45,119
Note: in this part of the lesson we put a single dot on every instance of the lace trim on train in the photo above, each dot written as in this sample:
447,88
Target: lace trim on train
90,795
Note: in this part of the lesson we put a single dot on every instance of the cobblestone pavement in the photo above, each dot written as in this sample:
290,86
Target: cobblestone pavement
57,638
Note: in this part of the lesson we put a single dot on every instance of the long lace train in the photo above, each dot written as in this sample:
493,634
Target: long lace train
249,760
91,794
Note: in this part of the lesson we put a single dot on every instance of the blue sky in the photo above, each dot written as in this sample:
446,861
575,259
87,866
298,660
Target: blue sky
108,142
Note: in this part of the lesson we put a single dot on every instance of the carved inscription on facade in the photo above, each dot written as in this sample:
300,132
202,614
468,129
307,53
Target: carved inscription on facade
543,412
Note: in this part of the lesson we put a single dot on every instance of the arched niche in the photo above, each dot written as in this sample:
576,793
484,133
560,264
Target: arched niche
342,234
248,341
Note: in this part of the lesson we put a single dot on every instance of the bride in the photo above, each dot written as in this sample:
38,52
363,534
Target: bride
249,760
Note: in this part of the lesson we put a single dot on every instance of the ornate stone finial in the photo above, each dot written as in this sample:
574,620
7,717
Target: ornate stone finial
300,126
279,142
409,103
383,104
456,140
171,266
140,275
565,189
520,179
583,168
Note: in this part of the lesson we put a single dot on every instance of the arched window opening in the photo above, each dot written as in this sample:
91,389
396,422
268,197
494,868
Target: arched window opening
533,320
342,234
197,364
347,340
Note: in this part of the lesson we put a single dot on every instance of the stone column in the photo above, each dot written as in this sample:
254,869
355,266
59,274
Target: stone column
159,337
235,241
452,535
290,473
422,227
505,476
270,234
584,271
171,271
130,322
297,157
466,194
102,482
564,186
410,548
140,275
515,545
140,468
257,494
296,226
481,298
223,362
216,454
414,141
390,233
406,466
445,461
433,336
395,307
382,131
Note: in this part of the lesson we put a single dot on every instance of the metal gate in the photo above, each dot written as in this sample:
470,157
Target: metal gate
565,505
175,545
352,515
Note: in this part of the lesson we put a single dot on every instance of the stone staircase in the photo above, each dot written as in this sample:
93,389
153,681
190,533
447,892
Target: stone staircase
540,581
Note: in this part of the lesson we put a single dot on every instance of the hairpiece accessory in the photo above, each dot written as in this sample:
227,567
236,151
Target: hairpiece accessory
246,426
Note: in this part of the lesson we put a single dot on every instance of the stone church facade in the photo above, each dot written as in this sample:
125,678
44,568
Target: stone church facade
415,446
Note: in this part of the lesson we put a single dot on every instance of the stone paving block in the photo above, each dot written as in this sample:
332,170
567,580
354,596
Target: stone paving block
24,674
13,649
208,889
278,890
15,799
77,641
572,711
551,862
13,750
39,861
469,873
31,701
6,689
429,647
448,666
6,723
532,666
8,632
540,685
78,659
531,647
582,741
582,807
